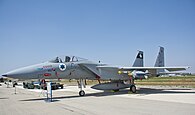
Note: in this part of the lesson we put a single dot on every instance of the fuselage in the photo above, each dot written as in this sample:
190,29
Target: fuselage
83,69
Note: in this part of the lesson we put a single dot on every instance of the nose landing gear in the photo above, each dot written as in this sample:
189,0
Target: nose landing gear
82,93
81,85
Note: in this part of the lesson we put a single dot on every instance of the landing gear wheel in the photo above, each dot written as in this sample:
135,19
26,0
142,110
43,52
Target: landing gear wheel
133,89
81,93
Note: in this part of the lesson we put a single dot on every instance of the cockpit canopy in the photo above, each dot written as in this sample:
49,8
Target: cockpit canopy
62,59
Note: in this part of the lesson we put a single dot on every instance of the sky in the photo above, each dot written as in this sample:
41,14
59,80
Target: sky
112,31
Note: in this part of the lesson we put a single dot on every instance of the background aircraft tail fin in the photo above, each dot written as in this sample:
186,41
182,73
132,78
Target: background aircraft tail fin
139,60
160,61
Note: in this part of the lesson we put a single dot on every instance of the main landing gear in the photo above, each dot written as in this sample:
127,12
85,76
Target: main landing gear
81,85
132,85
133,88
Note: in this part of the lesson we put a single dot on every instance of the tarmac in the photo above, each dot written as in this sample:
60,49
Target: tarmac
149,100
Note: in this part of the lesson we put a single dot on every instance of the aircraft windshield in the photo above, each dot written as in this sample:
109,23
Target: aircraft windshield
61,59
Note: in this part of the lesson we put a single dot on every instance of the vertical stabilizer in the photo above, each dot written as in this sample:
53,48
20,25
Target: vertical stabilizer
160,61
139,60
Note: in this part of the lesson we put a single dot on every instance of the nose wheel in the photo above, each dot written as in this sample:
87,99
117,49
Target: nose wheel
81,85
81,93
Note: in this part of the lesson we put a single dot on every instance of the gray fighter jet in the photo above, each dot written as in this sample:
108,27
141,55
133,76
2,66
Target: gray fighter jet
160,62
73,67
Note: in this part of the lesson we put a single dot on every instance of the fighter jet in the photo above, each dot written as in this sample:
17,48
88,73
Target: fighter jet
160,62
73,67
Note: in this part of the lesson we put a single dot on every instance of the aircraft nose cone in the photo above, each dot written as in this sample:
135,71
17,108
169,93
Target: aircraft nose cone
24,72
14,74
5,75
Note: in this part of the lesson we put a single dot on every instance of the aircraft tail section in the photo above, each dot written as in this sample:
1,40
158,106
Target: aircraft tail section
139,60
160,58
160,61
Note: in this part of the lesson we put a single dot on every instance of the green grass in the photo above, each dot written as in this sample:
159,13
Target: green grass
170,81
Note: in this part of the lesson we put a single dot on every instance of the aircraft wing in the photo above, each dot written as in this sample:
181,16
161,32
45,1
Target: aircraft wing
155,68
143,68
91,69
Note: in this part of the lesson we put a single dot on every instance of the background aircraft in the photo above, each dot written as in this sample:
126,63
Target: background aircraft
160,62
73,67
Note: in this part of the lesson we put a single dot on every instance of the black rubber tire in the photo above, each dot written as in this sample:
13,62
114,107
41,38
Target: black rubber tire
133,89
81,93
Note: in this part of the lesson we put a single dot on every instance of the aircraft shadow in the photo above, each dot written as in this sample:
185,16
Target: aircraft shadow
99,94
144,91
4,98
